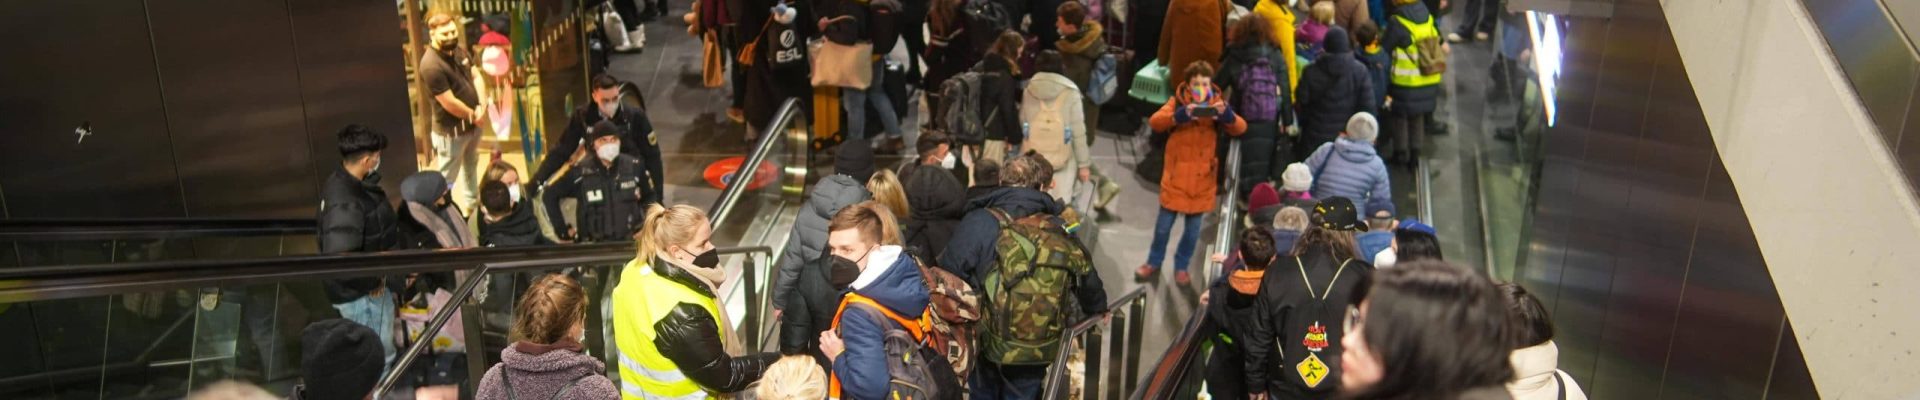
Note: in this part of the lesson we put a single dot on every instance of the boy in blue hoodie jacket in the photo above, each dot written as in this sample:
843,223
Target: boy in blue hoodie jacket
1377,59
865,235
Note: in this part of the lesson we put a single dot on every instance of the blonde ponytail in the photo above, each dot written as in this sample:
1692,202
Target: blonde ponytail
667,226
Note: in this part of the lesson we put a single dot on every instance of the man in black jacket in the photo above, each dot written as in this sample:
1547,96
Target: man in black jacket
356,217
637,138
972,253
609,188
1332,89
934,194
505,221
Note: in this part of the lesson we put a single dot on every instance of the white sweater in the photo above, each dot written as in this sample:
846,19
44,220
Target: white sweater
1533,369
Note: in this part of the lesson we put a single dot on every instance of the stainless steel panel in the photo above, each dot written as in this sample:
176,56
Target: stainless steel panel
81,63
352,72
233,106
1726,292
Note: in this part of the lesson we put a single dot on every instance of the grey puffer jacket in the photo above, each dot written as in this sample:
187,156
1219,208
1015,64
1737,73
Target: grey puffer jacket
810,229
539,372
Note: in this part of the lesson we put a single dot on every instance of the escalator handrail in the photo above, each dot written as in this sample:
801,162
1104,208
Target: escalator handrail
1229,216
69,281
464,292
1173,366
748,171
1057,373
150,228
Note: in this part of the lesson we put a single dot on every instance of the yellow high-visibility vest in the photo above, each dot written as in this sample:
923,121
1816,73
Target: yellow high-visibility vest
1406,60
641,299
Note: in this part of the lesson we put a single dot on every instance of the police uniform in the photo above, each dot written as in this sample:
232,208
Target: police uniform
637,140
612,198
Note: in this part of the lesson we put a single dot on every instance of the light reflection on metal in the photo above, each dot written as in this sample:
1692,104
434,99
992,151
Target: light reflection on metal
1546,57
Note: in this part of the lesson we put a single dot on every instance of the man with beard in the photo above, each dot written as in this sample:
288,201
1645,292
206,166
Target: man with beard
448,73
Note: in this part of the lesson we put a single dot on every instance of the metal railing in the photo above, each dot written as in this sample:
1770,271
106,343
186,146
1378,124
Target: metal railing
1229,217
743,179
464,292
1128,312
154,228
1170,376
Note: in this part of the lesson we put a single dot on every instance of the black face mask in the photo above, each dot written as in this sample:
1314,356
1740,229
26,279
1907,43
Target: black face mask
843,272
709,259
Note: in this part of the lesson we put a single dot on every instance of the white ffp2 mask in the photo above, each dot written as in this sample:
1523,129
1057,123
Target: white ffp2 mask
608,152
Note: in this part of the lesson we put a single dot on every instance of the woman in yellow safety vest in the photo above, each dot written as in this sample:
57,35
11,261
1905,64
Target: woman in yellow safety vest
1411,95
666,322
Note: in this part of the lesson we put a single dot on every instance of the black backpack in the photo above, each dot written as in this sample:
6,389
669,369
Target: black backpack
985,19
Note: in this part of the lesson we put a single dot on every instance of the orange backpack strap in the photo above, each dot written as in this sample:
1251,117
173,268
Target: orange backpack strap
917,328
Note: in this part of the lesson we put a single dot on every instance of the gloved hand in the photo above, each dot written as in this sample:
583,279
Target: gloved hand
1180,115
1226,116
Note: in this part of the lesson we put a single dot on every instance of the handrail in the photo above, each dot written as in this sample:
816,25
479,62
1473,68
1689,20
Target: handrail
465,291
71,281
1172,367
1229,216
149,228
748,171
1133,309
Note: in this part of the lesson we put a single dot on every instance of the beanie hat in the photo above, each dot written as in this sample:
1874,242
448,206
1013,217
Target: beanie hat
1336,40
602,128
495,39
1336,213
423,187
1263,196
1297,178
1362,126
855,159
342,359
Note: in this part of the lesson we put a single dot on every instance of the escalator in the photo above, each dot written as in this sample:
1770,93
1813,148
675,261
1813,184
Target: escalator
89,319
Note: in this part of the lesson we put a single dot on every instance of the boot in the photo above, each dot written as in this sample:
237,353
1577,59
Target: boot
638,38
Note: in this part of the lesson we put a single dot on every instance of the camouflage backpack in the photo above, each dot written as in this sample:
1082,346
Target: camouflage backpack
1025,295
955,310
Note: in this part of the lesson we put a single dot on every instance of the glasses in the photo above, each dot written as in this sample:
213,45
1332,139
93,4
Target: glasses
1353,319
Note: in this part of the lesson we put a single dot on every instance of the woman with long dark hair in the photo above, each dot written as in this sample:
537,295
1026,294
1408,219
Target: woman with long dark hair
1306,294
1427,330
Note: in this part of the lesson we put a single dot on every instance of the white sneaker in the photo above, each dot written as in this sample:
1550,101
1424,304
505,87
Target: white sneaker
638,38
1480,36
1453,37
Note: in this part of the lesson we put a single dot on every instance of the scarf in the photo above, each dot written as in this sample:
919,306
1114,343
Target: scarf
531,348
713,278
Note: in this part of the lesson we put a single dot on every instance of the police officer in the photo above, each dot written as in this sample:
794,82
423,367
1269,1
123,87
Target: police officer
636,138
609,186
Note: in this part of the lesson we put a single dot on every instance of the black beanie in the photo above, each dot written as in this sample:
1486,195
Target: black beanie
855,159
1337,42
603,128
342,360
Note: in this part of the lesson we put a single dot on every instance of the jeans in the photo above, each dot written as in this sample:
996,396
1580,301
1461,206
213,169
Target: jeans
1018,382
854,101
373,311
454,157
1188,237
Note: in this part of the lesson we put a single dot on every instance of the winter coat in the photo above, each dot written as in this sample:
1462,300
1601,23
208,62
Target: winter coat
1261,147
1280,16
1534,370
1349,13
638,141
1050,92
521,228
1000,89
809,238
1080,50
1311,35
1291,311
1354,171
1379,63
1190,150
810,311
972,249
1233,315
948,53
540,371
612,196
355,217
427,228
687,337
1199,29
1284,239
938,203
981,191
893,280
1332,90
1408,100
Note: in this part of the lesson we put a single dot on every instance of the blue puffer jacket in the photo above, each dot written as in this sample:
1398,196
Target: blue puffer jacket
973,240
862,368
1350,169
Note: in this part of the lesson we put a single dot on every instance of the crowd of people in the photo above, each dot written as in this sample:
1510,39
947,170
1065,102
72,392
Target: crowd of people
963,265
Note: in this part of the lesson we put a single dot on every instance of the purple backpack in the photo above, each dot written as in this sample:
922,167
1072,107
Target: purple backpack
1259,92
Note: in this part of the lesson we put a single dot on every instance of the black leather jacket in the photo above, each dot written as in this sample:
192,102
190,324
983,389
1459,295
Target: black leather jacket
686,336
